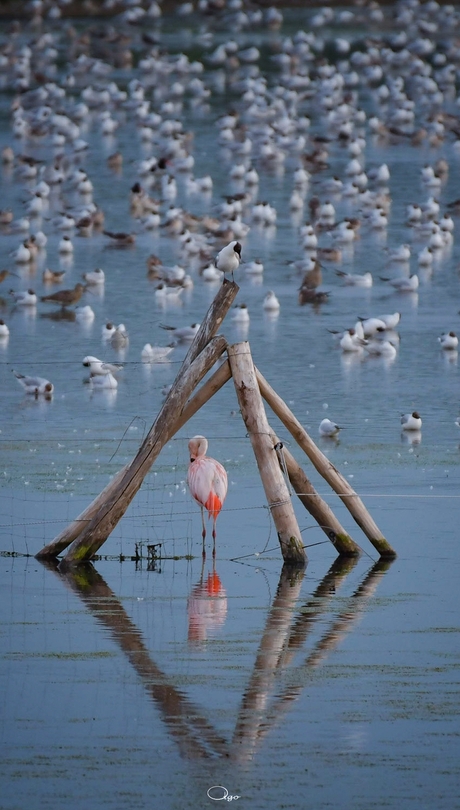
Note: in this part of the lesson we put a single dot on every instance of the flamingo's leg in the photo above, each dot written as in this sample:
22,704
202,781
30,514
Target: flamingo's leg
203,534
214,536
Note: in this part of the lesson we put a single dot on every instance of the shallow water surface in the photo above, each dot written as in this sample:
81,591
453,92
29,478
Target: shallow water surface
140,685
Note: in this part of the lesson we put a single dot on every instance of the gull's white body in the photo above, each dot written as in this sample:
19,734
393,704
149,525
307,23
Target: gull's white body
411,421
35,385
328,428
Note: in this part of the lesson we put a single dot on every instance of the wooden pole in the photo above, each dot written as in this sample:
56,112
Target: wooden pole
253,413
71,532
204,394
313,502
336,480
212,322
95,533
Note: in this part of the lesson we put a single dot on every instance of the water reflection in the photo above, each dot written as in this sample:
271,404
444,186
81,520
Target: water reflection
206,607
286,630
411,437
194,735
450,357
60,315
65,262
282,639
105,398
350,361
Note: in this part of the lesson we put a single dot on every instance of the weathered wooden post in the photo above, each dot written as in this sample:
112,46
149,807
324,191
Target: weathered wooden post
253,413
336,480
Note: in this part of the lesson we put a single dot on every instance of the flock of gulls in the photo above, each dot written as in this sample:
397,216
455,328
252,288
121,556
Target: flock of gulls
279,101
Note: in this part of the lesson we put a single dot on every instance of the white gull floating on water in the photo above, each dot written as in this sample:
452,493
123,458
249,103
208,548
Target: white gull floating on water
402,283
99,367
328,428
448,340
34,385
355,279
156,354
411,421
27,298
351,341
241,314
182,334
108,330
271,303
96,276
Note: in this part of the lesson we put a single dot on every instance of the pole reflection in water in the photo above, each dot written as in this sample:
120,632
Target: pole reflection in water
331,638
196,738
285,633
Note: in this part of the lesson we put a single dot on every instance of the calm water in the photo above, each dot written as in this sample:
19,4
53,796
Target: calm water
148,685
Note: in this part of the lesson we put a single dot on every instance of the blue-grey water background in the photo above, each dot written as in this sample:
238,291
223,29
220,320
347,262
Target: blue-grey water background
338,690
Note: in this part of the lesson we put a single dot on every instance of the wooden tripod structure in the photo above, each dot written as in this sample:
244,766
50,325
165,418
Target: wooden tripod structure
85,535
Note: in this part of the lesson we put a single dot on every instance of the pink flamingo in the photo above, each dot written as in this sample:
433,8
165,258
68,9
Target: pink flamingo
207,481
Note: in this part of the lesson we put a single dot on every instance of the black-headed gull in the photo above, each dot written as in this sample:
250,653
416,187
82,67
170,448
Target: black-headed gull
96,276
411,421
120,337
228,259
328,428
156,354
27,298
108,330
241,314
448,340
271,303
351,341
182,334
34,385
99,367
403,284
355,279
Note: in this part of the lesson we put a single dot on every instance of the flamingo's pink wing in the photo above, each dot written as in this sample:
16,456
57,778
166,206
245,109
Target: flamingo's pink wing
207,481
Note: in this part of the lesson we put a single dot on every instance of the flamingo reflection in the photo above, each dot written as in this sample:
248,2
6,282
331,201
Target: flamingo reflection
206,607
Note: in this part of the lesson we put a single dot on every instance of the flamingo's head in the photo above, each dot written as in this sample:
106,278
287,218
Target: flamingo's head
197,447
